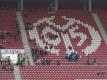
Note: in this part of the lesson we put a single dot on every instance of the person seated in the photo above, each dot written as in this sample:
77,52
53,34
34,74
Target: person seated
10,67
1,60
43,61
47,61
94,62
66,57
73,56
38,61
58,62
101,73
23,61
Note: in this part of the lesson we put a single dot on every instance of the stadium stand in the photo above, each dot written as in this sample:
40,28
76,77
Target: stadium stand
9,37
54,72
81,37
53,36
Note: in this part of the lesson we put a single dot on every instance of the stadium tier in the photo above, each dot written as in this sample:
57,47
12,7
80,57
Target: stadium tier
56,32
9,31
53,40
64,72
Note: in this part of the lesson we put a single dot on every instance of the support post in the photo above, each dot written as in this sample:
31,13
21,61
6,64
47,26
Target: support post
19,5
85,5
90,5
56,5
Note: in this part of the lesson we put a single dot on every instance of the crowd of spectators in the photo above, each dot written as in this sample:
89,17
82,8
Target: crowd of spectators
10,34
6,63
40,56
